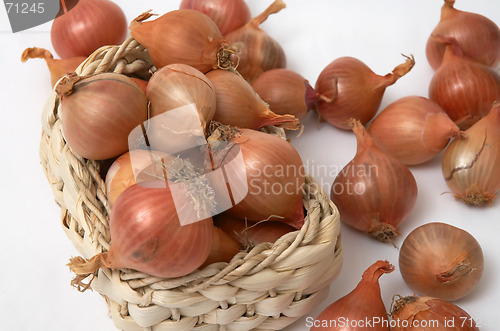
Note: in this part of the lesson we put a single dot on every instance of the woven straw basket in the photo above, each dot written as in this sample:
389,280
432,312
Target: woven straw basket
266,288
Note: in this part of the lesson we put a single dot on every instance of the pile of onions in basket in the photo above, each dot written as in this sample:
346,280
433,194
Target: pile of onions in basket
374,192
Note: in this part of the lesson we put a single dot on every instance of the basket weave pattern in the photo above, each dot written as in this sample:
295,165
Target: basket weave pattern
265,288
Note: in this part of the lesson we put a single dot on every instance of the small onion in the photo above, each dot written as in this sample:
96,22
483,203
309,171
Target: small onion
374,192
348,88
239,105
229,15
428,313
286,92
363,304
223,248
413,129
476,35
256,49
442,261
471,166
86,27
98,113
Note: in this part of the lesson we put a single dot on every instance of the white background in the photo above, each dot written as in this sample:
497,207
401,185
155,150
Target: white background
35,286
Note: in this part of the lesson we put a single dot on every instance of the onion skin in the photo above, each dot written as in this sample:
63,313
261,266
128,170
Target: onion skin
471,166
223,249
441,261
238,104
256,49
182,36
98,113
229,15
348,88
88,26
364,303
286,92
465,89
413,129
57,67
476,35
374,192
146,236
413,310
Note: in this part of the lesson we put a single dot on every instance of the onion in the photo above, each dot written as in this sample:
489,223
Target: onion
348,88
361,306
223,248
413,129
374,192
442,261
88,26
274,175
465,89
98,112
286,92
471,166
147,236
142,84
57,67
182,36
239,105
476,35
229,15
427,313
257,50
251,233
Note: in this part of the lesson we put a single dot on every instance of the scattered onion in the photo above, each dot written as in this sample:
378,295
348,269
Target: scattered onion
348,88
374,192
88,26
471,166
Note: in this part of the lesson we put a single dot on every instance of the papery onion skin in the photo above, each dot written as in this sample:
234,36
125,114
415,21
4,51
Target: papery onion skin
374,192
256,49
476,35
57,67
348,88
413,129
286,92
442,261
146,236
428,313
229,15
364,303
223,248
238,104
465,89
182,36
88,26
98,113
471,166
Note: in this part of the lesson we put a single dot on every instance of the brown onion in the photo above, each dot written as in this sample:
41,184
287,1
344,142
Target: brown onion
146,235
223,248
361,306
98,113
413,129
374,192
257,50
57,67
229,15
476,35
182,36
251,233
427,313
239,105
274,175
471,166
86,27
348,88
286,92
442,261
465,89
